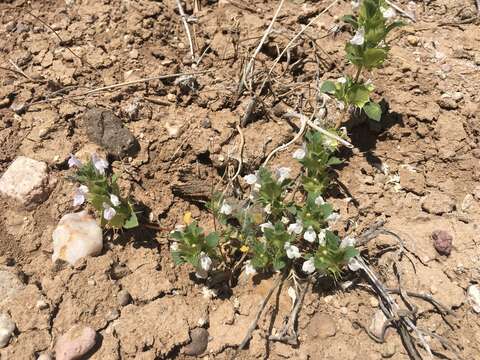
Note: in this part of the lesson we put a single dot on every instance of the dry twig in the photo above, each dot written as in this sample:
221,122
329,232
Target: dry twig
187,28
401,11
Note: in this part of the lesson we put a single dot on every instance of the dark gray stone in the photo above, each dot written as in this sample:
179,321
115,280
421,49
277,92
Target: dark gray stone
104,128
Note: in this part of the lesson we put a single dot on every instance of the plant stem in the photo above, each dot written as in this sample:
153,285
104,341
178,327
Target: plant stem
357,76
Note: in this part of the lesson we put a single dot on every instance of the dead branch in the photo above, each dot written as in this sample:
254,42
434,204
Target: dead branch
187,28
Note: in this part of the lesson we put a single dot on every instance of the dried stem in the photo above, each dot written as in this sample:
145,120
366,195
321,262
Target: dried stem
187,28
401,11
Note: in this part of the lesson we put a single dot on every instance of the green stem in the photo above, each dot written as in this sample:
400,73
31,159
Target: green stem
357,76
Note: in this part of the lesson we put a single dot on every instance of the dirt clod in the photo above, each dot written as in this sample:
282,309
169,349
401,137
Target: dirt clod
438,203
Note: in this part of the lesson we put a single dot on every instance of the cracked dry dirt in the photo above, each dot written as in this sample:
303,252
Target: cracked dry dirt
187,139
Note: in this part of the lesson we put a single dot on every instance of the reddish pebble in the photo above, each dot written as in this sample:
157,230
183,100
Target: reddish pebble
442,241
78,341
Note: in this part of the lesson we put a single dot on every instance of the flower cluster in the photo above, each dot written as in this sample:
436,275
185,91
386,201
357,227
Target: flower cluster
102,192
270,229
367,49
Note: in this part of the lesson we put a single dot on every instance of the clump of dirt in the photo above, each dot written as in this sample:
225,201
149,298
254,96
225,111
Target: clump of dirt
175,140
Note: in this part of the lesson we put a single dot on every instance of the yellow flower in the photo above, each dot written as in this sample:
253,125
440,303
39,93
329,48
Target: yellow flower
244,248
187,218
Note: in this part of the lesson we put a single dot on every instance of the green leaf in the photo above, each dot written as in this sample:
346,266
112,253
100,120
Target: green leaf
177,259
212,239
374,57
328,87
334,161
373,111
131,222
349,252
358,95
394,25
352,20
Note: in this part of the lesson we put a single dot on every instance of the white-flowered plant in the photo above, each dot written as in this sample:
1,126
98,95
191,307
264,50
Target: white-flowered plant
269,230
367,49
102,192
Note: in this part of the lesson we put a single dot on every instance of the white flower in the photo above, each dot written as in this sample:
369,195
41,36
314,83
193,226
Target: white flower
359,37
205,261
114,199
310,235
299,154
388,13
285,220
267,225
282,173
292,251
347,241
308,266
99,163
268,209
79,196
321,236
333,217
249,269
340,105
342,80
354,264
225,209
251,179
74,162
108,212
355,4
174,246
296,228
319,200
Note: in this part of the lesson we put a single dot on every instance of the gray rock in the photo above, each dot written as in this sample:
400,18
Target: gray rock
7,327
104,128
123,298
199,342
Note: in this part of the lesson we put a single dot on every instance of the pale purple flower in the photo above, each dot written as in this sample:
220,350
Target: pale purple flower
205,261
348,241
354,264
99,163
299,154
333,217
310,235
114,199
108,212
249,269
308,266
342,80
73,161
296,228
251,179
225,209
319,200
79,196
267,225
292,251
321,237
388,13
359,37
282,173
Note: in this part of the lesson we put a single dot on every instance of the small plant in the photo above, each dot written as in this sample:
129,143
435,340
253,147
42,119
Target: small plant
271,231
102,192
368,49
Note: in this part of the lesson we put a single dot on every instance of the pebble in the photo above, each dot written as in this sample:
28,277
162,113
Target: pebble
374,302
133,54
199,342
473,293
447,103
171,97
42,304
123,298
412,40
44,356
10,284
173,130
77,235
457,96
75,343
26,181
378,323
388,350
442,241
7,327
